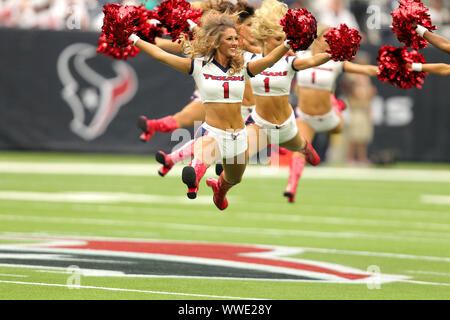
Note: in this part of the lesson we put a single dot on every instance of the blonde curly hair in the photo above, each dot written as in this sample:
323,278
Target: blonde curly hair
223,6
207,39
267,20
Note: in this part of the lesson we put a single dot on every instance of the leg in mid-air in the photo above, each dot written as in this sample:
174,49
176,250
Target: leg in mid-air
194,111
298,163
232,174
233,148
169,160
206,151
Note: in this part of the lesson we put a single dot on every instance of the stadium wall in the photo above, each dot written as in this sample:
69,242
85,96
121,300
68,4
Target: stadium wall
57,94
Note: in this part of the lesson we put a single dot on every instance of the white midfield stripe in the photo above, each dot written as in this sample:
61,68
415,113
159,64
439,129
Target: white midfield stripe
13,275
99,197
108,273
253,231
127,290
140,169
208,278
342,221
435,199
375,212
430,273
102,197
378,254
426,283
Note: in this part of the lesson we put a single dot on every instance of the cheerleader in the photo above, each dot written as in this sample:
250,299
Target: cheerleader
194,111
273,120
220,77
318,109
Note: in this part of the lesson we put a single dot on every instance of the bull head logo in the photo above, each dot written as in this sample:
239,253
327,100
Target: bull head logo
97,100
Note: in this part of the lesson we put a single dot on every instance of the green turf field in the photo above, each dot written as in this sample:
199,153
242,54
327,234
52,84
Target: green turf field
393,220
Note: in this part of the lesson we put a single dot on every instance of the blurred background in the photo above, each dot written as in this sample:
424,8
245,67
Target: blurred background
57,94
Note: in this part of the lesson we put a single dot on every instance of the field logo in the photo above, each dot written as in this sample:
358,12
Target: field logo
159,258
93,98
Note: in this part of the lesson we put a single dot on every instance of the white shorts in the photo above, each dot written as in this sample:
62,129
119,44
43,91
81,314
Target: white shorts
276,133
322,123
246,111
230,143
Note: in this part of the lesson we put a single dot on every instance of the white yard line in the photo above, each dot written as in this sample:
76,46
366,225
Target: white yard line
426,283
435,199
433,273
223,229
377,254
139,169
343,221
127,290
13,275
377,213
99,197
120,197
208,278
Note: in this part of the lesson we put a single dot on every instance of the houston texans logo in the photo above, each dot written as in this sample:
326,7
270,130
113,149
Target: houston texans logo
93,98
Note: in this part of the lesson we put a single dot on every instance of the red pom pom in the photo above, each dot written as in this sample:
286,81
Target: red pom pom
174,14
122,21
107,49
392,67
151,26
409,12
344,43
300,27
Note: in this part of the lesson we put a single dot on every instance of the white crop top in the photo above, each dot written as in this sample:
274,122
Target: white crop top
276,80
321,77
216,84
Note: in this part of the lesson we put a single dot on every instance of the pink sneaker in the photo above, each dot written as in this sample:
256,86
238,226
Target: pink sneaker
145,125
192,175
220,200
167,163
310,154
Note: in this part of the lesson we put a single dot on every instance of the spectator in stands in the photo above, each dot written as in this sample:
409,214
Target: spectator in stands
45,14
299,4
358,129
333,13
439,14
96,8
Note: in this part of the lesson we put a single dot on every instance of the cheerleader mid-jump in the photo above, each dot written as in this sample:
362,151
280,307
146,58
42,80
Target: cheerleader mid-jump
273,120
220,77
318,110
194,111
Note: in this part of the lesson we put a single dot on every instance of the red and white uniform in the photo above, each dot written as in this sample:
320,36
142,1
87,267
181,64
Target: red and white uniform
216,85
274,81
322,77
